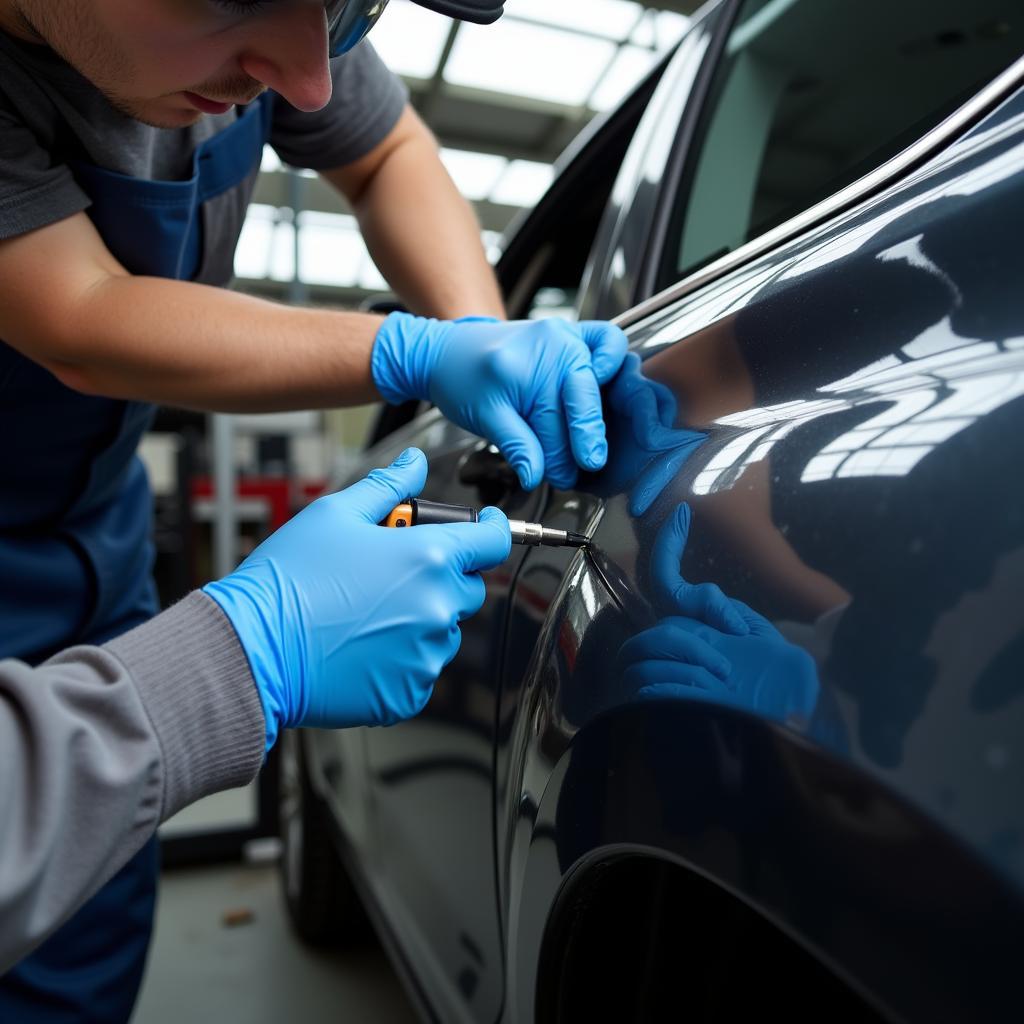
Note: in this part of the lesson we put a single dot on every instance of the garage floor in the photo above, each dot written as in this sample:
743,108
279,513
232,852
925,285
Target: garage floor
256,973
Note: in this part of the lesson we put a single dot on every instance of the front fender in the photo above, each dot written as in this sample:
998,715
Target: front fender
865,883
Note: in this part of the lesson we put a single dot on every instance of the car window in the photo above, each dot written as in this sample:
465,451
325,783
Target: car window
812,94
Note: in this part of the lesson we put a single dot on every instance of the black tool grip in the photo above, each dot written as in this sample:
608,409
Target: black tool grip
427,513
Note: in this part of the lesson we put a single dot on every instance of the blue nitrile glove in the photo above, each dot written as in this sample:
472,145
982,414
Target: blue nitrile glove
647,449
530,387
345,622
714,647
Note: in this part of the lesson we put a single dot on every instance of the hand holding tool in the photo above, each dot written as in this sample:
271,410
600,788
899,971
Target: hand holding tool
531,386
347,624
417,512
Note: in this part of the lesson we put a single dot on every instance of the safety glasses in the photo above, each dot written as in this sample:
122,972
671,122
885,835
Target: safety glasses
350,20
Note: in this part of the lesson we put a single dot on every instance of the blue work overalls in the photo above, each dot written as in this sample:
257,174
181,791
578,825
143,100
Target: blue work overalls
75,549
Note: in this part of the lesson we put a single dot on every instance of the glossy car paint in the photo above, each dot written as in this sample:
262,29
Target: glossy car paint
861,488
423,790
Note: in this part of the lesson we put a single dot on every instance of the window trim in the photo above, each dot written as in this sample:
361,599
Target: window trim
675,171
846,199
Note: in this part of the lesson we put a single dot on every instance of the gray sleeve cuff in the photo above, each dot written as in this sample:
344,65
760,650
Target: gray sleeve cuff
195,684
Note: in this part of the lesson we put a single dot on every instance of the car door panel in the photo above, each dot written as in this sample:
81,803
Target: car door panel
862,395
429,781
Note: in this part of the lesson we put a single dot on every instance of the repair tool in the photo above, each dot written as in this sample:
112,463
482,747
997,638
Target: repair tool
416,512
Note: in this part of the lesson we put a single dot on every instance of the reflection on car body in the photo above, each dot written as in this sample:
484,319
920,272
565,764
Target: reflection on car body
761,745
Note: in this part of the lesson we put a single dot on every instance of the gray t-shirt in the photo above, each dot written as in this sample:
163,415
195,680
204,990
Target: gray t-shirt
50,117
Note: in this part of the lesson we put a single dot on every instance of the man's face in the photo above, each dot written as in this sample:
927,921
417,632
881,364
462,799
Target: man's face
166,62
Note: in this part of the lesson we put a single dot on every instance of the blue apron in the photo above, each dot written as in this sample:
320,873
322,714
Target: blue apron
75,549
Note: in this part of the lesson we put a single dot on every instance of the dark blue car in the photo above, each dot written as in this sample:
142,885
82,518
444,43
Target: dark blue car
760,749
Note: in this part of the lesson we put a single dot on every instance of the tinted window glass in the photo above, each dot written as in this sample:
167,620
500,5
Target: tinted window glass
811,94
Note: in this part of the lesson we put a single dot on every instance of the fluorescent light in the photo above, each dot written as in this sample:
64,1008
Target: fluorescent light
543,63
474,174
523,183
612,18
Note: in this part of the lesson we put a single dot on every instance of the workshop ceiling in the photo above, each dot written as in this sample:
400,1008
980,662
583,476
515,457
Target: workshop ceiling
503,100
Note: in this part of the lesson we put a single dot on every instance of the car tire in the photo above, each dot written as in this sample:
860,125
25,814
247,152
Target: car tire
322,902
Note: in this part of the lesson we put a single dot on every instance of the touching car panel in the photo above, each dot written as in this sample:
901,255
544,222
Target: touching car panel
798,789
430,780
844,420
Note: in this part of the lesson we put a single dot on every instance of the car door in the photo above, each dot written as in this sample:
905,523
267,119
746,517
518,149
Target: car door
415,802
430,778
843,371
421,794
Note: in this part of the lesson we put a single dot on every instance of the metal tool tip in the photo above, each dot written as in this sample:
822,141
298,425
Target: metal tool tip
576,540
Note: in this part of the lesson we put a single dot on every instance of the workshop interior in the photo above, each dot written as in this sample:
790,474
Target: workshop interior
726,715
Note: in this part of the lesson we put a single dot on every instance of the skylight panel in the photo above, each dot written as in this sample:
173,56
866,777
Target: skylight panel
646,32
410,38
492,245
252,254
270,161
631,64
370,277
331,250
612,18
526,60
523,183
265,246
282,251
670,29
474,174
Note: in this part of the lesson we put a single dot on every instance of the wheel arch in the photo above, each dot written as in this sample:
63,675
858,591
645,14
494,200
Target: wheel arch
811,845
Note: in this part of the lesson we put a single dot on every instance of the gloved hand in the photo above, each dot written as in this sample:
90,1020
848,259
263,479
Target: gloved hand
647,449
345,622
713,647
530,387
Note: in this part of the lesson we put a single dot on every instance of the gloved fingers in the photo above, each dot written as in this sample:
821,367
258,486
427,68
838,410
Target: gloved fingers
627,381
549,425
478,546
608,346
472,594
503,426
706,602
373,497
666,400
581,397
673,679
657,475
652,413
702,601
668,642
756,623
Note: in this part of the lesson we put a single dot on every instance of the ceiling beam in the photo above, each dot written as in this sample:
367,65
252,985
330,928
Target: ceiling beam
678,6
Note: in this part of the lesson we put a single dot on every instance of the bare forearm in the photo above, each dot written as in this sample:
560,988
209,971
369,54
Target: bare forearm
198,347
423,235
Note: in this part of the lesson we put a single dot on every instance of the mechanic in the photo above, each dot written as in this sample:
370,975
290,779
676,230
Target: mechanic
101,744
131,132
